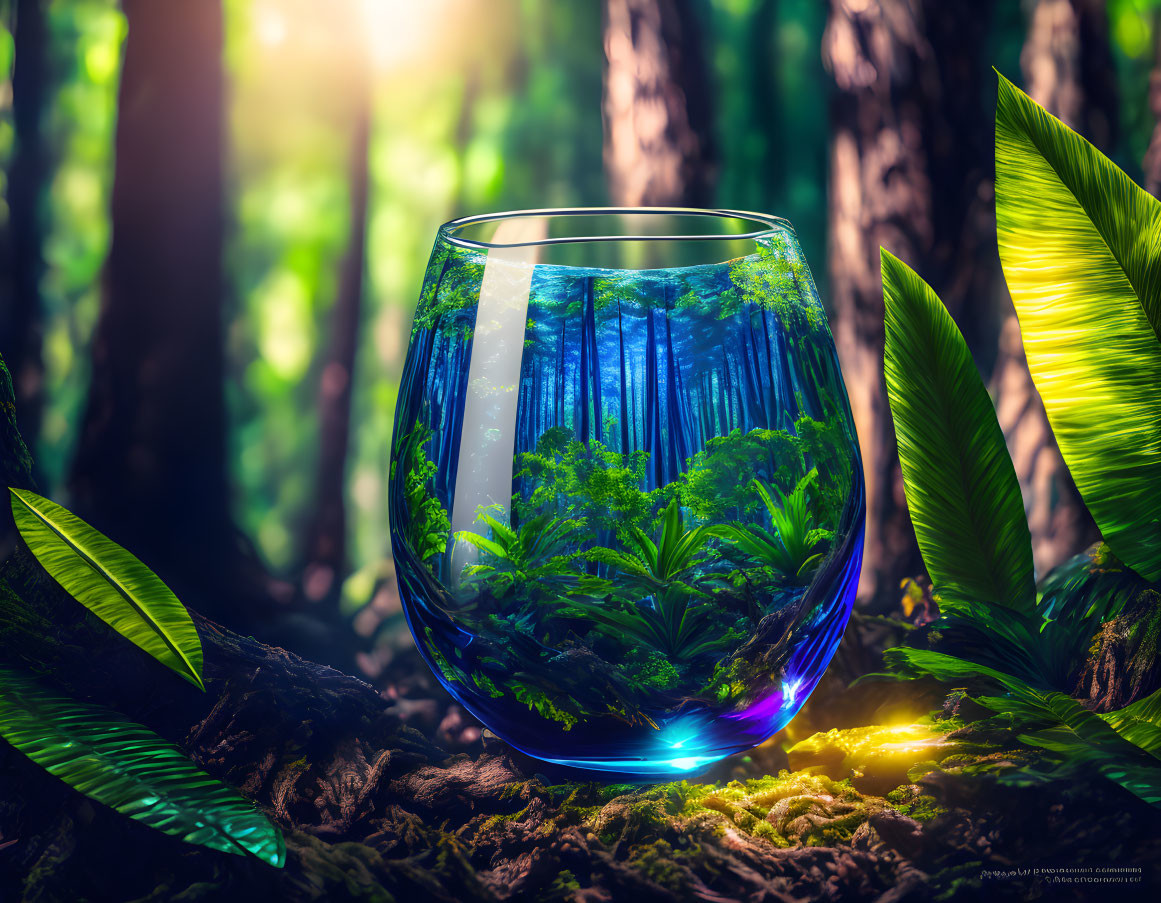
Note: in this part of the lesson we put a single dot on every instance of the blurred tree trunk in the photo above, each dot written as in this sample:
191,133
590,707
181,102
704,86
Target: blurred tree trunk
911,171
659,149
773,174
21,326
326,547
1067,63
150,467
1068,68
1152,162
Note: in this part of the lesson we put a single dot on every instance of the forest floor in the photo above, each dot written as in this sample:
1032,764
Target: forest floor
396,794
888,791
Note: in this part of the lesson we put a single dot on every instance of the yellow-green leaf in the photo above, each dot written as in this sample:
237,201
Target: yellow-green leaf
110,582
1139,723
1081,249
961,488
129,768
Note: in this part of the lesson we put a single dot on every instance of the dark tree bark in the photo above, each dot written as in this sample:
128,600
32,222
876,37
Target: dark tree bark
16,464
1068,68
326,547
150,468
1123,664
909,126
659,148
21,326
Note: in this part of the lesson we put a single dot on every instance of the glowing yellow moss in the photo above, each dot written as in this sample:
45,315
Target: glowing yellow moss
878,758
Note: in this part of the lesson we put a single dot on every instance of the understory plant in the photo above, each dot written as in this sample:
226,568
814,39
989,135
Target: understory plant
794,544
667,571
1080,245
536,555
96,750
652,586
665,606
427,522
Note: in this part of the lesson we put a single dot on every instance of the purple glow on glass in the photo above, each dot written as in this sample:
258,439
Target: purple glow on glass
804,670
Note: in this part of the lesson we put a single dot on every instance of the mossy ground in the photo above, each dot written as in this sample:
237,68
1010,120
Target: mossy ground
485,824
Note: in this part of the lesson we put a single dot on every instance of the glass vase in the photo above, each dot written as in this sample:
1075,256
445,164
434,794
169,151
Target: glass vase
626,495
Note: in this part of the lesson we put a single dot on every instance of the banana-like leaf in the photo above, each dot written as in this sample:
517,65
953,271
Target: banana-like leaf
1081,249
131,769
110,582
961,487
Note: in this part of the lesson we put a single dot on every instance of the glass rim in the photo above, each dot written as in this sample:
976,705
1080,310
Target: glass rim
770,225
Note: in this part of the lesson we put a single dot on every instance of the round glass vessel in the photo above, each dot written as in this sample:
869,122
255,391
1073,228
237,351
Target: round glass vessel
626,495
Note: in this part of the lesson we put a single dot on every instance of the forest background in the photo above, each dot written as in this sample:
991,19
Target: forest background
216,217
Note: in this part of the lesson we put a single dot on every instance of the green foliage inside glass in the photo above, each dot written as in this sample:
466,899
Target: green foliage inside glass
591,542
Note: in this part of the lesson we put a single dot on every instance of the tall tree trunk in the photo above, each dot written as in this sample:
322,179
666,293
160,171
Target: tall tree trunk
728,389
1068,68
909,123
658,130
749,374
21,326
151,467
764,46
585,413
623,412
634,435
593,377
453,415
1152,162
538,401
725,415
326,546
560,376
675,428
656,472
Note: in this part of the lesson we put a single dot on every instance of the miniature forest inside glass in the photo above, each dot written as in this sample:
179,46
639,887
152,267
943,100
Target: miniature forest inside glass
684,470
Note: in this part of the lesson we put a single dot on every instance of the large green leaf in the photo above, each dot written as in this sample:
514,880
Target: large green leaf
110,582
1139,723
1085,742
961,487
131,769
1056,722
1080,246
